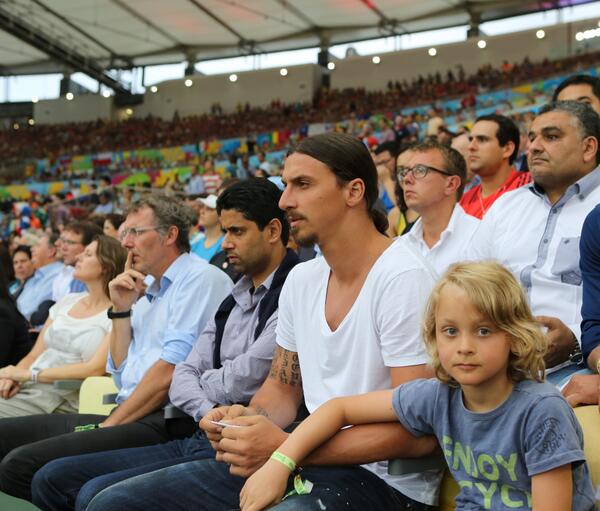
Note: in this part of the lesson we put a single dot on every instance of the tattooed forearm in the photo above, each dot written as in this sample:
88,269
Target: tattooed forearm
285,367
261,411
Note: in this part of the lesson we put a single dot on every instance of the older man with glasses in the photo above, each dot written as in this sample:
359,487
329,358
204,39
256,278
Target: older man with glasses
73,240
432,183
160,304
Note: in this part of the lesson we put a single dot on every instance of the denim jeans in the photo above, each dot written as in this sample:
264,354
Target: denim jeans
70,483
207,486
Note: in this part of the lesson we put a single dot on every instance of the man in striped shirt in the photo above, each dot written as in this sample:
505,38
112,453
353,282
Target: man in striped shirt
493,147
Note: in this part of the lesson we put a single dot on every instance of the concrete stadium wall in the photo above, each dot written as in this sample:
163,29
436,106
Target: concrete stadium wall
87,107
261,87
361,72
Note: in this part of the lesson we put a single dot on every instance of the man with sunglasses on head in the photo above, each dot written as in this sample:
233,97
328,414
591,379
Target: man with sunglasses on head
160,305
432,183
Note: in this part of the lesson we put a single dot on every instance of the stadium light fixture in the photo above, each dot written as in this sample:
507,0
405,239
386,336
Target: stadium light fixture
432,52
35,99
376,59
481,44
69,96
233,78
588,34
283,71
31,122
188,83
154,89
540,34
331,66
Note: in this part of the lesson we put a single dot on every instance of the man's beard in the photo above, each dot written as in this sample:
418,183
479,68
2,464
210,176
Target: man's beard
307,240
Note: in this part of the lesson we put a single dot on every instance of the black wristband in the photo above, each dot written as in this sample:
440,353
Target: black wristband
117,315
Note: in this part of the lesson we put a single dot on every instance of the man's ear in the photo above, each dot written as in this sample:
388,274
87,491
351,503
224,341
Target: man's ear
355,192
590,149
273,230
171,236
508,149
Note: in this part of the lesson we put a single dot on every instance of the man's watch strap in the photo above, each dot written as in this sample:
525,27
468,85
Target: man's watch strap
117,315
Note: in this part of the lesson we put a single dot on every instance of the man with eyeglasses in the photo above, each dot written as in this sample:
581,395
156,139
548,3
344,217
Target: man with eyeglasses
73,240
160,304
39,287
432,183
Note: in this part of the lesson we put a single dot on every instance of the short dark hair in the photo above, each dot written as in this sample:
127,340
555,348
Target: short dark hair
507,132
390,147
588,120
115,219
258,201
168,212
454,162
581,79
348,159
26,249
87,230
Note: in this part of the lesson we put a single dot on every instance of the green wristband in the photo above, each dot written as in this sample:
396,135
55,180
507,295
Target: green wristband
85,427
282,458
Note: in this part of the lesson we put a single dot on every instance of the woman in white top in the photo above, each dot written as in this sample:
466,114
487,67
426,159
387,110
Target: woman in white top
73,343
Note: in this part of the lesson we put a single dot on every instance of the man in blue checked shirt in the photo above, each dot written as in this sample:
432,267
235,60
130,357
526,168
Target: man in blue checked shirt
160,304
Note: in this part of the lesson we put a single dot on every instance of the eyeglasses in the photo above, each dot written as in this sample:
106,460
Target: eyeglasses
419,171
69,242
134,232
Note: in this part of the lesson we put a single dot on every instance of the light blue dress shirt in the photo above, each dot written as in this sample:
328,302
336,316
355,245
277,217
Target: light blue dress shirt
38,289
168,319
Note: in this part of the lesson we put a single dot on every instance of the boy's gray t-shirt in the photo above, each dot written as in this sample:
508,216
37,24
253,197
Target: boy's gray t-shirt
494,455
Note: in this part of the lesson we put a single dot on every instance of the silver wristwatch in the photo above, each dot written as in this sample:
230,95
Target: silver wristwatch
35,371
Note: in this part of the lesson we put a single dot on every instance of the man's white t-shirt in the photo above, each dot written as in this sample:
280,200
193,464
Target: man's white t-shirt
381,330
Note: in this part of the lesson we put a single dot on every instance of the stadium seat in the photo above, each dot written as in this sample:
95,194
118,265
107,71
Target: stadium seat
92,395
589,418
8,503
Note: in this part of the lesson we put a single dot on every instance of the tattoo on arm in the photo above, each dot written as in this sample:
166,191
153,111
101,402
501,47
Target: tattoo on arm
285,367
261,411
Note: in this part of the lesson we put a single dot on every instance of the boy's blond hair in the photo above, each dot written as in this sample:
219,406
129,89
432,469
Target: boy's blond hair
498,297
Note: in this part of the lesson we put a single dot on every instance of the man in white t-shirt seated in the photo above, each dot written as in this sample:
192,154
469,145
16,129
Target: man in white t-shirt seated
432,183
348,323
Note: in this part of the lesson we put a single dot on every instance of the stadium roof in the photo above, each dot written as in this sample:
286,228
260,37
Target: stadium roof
43,36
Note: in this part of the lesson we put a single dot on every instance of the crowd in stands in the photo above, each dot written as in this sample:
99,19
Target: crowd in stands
356,289
46,141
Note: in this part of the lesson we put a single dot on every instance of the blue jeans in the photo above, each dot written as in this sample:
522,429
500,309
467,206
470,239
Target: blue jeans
70,483
207,486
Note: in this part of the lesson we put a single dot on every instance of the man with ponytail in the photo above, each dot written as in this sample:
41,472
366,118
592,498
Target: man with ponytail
348,324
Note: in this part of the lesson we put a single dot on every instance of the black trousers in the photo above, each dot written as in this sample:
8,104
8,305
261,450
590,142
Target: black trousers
28,443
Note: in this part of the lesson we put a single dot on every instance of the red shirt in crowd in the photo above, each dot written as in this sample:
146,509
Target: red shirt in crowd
476,205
